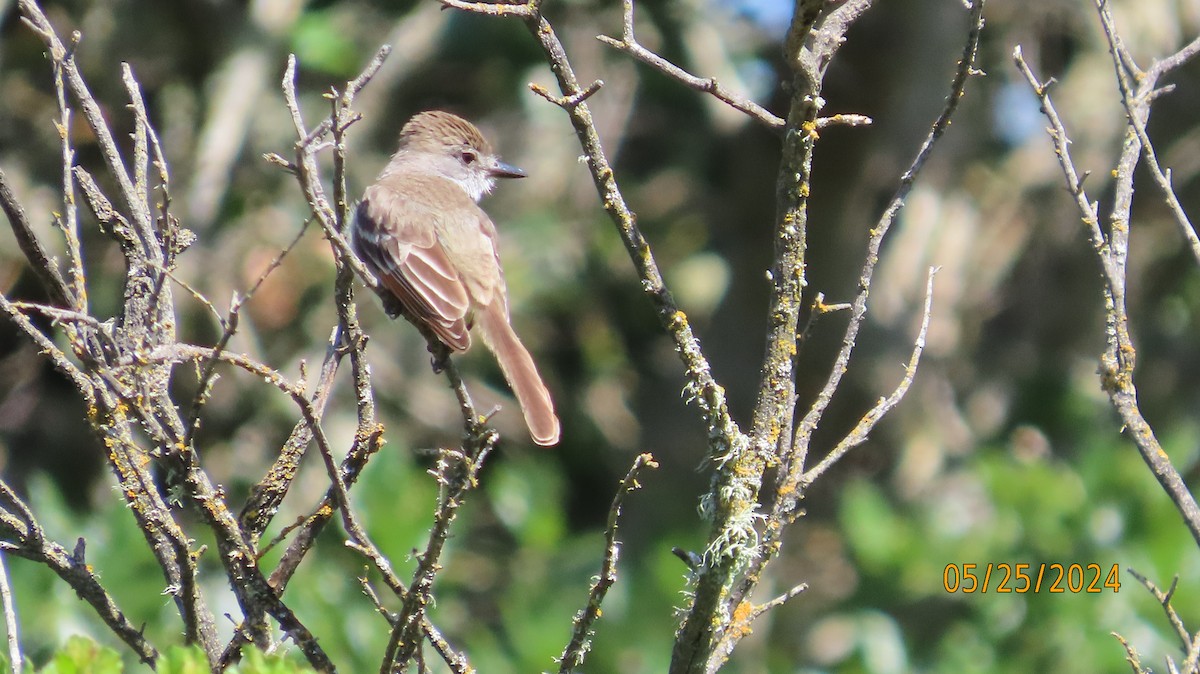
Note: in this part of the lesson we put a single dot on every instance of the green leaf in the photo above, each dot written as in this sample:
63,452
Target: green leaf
182,660
81,655
874,531
256,662
320,42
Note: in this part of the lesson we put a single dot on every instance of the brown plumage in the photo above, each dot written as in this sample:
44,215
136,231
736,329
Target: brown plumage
421,232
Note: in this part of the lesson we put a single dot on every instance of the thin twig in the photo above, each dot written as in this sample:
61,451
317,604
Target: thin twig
629,44
1137,109
1164,600
581,635
70,218
37,21
525,11
141,154
455,660
230,323
15,660
567,102
1131,654
848,119
1118,361
180,352
266,496
48,348
457,473
862,430
778,601
31,246
31,543
966,68
369,593
743,618
1062,143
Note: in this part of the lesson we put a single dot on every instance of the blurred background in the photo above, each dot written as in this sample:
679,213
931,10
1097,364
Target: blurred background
1005,449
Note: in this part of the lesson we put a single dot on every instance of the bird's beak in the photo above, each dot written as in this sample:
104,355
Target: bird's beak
502,170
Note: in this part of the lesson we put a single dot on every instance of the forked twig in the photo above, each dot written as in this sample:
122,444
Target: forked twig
629,44
1117,363
575,652
859,434
1137,110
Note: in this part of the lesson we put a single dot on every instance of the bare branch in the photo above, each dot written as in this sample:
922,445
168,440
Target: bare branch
701,387
266,496
1164,600
804,430
15,660
306,171
575,652
1131,655
230,323
24,537
629,44
70,218
858,435
34,17
1062,145
823,31
735,542
699,647
457,472
525,11
348,339
1117,363
1137,110
741,620
567,102
39,260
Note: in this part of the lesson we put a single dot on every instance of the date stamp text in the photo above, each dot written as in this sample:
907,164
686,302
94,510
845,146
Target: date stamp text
1051,578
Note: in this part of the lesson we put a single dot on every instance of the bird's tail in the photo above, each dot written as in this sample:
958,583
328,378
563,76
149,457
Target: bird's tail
521,373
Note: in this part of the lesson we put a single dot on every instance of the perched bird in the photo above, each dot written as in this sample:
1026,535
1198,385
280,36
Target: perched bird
421,232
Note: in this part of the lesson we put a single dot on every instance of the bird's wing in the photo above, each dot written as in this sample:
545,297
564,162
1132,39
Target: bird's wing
397,238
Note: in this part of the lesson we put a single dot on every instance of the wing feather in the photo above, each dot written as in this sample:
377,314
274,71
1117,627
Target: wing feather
396,238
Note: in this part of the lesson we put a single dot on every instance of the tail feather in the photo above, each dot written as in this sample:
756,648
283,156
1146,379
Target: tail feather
521,373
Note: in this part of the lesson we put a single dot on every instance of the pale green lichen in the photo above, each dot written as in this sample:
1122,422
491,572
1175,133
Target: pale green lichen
733,499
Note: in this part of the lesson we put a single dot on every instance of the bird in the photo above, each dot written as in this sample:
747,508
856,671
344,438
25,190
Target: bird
421,233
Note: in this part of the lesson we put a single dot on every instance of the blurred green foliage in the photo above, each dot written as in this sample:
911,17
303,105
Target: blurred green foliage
83,656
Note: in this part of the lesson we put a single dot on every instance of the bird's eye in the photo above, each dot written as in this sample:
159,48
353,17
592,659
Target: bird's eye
468,156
